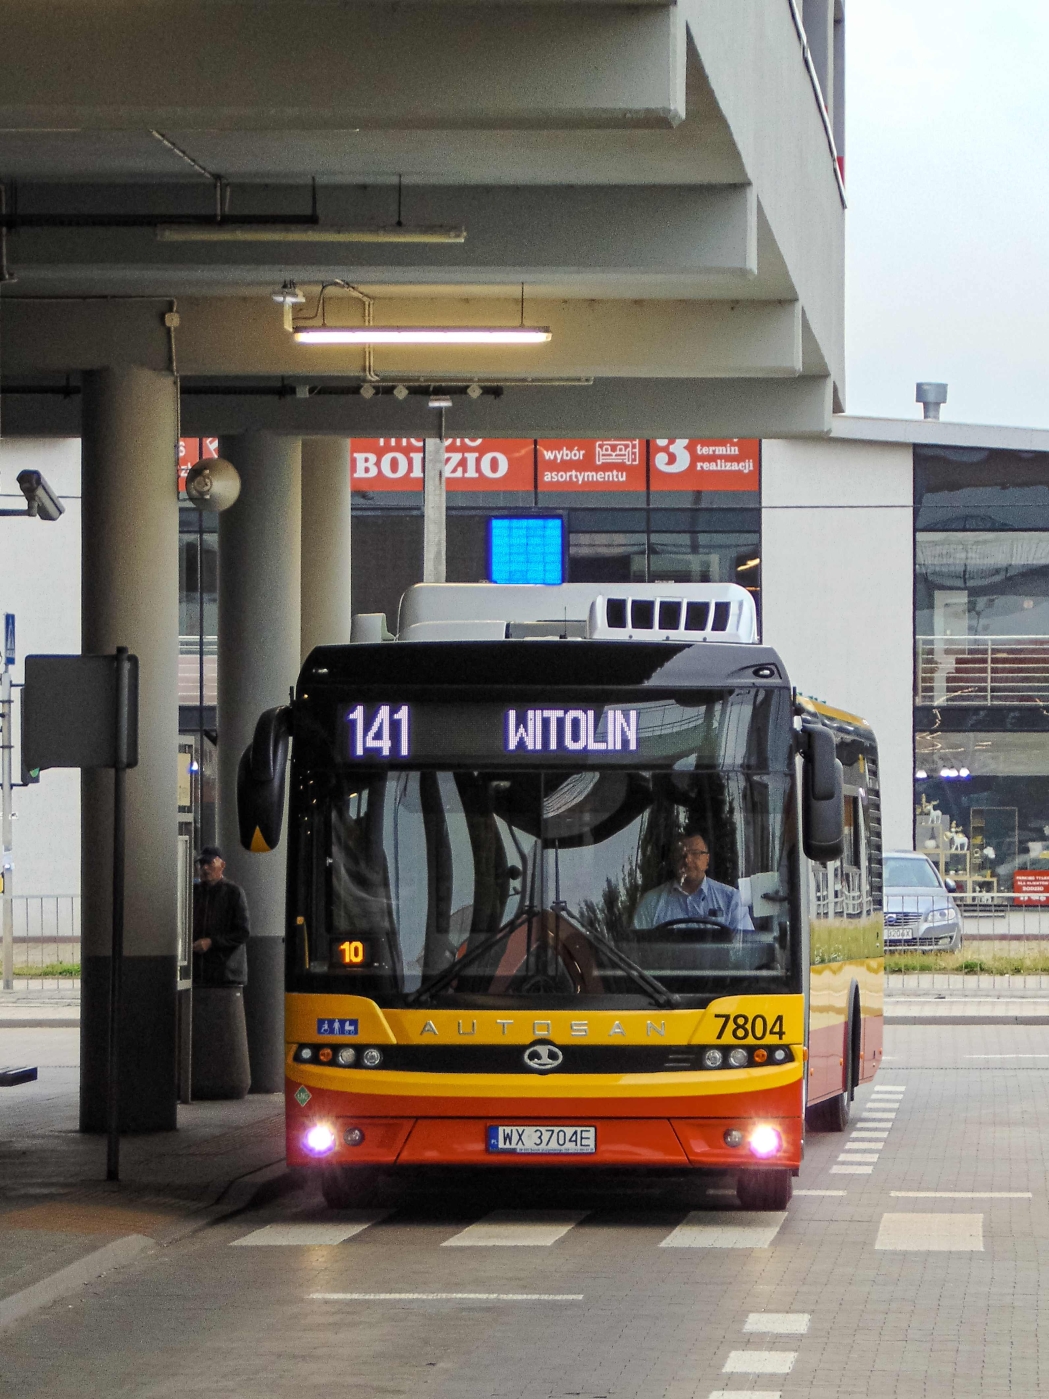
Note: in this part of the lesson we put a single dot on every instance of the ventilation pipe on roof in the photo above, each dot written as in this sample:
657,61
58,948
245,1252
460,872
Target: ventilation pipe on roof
931,397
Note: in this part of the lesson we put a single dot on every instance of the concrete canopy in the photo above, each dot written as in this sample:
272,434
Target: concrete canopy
656,180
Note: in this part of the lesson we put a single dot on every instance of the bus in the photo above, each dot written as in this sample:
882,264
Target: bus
574,877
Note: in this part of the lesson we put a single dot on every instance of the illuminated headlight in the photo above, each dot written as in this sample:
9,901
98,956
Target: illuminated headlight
713,1059
371,1058
738,1058
347,1056
305,1053
320,1139
765,1141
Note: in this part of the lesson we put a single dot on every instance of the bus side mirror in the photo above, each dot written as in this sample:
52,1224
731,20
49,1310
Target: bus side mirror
823,795
260,781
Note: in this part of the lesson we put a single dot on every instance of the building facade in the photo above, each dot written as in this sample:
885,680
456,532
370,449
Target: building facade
900,568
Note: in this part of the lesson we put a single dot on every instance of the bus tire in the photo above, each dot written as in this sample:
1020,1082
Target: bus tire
346,1187
768,1189
833,1114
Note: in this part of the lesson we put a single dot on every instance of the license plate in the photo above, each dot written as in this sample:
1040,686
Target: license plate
544,1141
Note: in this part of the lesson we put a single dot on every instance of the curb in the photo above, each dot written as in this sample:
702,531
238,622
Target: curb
71,1279
971,1019
258,1187
53,1022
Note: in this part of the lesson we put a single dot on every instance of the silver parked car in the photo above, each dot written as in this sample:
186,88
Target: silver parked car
919,909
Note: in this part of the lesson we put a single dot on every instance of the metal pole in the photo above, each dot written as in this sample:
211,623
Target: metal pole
5,829
116,955
435,552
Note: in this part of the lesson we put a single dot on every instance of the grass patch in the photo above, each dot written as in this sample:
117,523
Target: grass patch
1024,961
66,969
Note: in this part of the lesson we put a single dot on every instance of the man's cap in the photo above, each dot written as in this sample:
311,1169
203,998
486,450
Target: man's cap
209,853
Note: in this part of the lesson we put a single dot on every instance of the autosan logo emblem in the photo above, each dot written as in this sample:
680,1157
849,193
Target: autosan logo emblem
543,1057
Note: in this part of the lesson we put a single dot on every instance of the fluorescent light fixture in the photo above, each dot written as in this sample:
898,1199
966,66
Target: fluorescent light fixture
424,335
301,233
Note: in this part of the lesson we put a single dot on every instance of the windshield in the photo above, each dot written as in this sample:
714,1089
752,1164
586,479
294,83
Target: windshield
502,886
904,873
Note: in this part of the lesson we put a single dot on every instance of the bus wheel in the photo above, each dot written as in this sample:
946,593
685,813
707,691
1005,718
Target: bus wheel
764,1190
346,1187
832,1115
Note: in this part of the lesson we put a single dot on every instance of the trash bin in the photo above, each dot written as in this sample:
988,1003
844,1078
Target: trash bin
220,1043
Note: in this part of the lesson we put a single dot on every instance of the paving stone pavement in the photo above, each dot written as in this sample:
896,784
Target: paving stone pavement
949,1306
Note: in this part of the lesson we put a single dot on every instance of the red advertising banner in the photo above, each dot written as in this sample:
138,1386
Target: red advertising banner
1031,886
489,463
586,464
694,464
194,449
470,464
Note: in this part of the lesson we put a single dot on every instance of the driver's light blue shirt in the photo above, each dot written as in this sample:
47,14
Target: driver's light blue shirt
710,900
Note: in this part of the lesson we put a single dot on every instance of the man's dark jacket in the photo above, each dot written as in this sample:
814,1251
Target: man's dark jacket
220,912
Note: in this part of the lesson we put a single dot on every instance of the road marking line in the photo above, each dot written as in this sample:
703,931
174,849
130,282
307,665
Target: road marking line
889,1088
726,1229
759,1362
745,1393
517,1229
961,1194
821,1192
851,1170
931,1233
309,1235
446,1296
1005,1056
778,1323
860,1158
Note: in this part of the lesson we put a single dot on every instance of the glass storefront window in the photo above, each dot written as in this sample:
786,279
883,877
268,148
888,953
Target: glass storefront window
960,488
981,583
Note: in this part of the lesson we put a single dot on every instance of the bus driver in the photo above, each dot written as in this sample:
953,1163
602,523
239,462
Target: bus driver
693,894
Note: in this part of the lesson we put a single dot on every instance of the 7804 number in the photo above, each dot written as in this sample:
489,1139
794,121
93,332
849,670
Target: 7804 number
750,1027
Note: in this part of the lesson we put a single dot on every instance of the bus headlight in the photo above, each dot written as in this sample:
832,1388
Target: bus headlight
320,1139
371,1058
765,1141
712,1059
738,1058
347,1055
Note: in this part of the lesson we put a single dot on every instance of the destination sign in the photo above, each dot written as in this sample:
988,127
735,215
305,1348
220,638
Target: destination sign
651,732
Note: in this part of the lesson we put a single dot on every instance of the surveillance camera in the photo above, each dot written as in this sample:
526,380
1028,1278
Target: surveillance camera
213,484
40,498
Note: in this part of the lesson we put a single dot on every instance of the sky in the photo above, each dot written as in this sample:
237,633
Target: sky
947,178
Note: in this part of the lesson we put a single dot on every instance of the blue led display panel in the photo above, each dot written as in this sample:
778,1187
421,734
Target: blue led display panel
526,549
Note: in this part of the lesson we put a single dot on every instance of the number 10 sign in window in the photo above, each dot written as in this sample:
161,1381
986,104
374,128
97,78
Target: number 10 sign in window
378,731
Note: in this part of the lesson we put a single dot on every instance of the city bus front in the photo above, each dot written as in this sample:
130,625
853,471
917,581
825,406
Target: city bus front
537,919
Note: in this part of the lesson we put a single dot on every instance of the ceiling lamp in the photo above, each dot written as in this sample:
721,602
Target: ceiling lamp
424,335
297,233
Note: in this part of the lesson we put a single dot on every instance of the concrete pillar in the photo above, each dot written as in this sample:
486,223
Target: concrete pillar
258,660
326,609
435,516
130,598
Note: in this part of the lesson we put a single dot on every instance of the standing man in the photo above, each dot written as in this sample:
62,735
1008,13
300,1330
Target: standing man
220,924
693,894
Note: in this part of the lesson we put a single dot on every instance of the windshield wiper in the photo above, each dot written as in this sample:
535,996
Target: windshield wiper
652,987
451,972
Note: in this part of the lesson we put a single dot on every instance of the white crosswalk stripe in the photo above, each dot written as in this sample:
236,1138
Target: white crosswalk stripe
760,1362
517,1229
777,1323
931,1233
310,1234
726,1229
